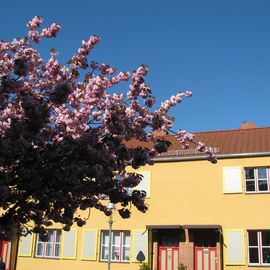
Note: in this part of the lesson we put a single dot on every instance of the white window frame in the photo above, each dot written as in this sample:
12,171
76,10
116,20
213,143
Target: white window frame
257,179
259,246
121,246
56,245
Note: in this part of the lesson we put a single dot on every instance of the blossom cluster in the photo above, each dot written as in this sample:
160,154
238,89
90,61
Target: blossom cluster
47,32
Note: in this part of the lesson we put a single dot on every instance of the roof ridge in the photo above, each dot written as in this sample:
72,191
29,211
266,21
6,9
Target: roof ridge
229,130
219,131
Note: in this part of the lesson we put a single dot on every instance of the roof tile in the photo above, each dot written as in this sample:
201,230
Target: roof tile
239,141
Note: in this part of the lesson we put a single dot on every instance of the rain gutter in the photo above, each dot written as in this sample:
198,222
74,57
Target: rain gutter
221,156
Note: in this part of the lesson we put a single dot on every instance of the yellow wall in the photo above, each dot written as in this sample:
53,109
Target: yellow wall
187,192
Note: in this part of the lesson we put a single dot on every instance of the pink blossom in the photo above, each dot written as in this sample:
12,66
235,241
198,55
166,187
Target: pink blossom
51,31
34,35
35,23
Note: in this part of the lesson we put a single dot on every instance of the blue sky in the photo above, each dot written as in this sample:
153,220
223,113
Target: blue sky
220,50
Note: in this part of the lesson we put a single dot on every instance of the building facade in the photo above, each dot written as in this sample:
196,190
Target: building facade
201,216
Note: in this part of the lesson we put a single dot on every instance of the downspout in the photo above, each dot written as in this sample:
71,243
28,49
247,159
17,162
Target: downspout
221,241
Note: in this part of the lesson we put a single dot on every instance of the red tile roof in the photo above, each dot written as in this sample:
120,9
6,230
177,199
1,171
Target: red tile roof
224,142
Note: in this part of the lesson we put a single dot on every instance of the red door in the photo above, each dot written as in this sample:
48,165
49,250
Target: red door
205,258
5,253
168,258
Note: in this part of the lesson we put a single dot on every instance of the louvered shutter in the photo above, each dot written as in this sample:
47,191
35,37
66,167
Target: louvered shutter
145,183
235,248
140,244
26,244
89,247
232,180
69,244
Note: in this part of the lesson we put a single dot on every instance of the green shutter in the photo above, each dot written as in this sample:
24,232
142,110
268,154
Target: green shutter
26,245
69,244
89,246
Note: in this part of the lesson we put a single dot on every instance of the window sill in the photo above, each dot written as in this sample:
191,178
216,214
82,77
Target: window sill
122,262
47,258
257,192
259,265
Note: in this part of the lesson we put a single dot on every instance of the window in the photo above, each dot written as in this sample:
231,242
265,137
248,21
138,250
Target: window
259,247
257,179
51,248
120,251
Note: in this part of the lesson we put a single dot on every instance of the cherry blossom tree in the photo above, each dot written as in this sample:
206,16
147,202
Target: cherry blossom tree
63,132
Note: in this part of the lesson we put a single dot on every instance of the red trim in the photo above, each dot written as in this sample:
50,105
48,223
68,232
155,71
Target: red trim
166,254
54,243
44,247
259,246
256,180
5,253
267,176
121,246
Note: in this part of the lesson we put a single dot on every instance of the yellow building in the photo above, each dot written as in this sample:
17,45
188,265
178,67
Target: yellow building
201,216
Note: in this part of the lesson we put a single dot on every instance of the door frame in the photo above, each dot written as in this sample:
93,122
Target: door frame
6,253
196,249
166,249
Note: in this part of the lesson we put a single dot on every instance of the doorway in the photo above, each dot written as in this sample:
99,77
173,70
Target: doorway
169,250
205,258
205,249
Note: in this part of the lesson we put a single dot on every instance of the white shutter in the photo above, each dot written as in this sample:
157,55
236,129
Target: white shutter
145,183
89,247
69,244
235,249
140,244
232,180
26,244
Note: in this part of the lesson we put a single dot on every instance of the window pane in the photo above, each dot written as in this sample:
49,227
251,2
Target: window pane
253,255
252,238
115,254
116,239
262,174
57,250
39,249
50,236
58,236
249,172
49,250
250,185
104,253
105,245
263,185
126,239
266,238
266,255
105,238
126,253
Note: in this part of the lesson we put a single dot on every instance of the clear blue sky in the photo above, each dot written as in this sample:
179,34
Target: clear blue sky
220,50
